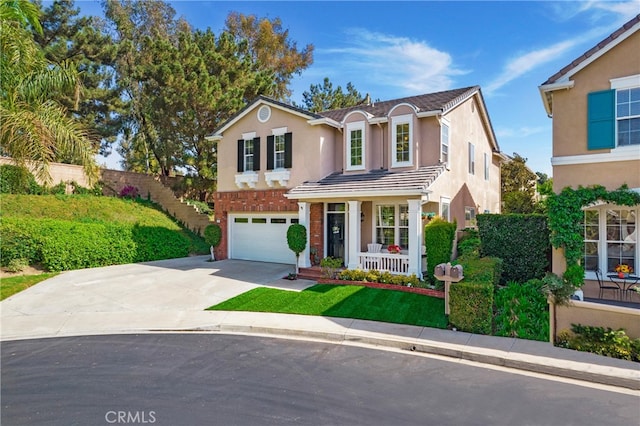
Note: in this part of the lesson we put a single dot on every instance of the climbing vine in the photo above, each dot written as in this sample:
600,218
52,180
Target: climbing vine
566,217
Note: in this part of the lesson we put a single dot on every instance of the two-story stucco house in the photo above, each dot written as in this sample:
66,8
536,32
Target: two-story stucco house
595,106
359,179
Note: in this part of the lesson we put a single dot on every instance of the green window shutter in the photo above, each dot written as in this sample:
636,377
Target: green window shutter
288,150
270,151
601,119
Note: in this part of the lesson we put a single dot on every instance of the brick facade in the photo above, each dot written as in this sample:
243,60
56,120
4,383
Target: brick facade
316,230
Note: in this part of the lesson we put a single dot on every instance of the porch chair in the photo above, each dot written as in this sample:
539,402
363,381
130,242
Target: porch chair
605,286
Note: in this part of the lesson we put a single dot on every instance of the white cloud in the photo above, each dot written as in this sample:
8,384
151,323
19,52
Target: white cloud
381,59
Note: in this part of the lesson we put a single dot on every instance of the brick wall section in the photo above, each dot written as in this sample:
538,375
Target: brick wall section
316,229
268,201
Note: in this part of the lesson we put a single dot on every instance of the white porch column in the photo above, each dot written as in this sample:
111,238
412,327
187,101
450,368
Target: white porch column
353,242
415,247
304,219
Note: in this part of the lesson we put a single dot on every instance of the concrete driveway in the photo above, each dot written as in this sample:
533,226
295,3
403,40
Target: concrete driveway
161,294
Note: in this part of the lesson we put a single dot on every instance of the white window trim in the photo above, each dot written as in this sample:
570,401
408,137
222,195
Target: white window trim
602,242
629,82
281,177
275,151
249,178
356,125
279,131
445,122
447,201
472,159
395,121
486,166
244,156
396,220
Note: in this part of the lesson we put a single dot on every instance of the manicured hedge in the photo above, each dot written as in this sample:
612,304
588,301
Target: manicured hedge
471,306
64,245
471,300
438,240
521,241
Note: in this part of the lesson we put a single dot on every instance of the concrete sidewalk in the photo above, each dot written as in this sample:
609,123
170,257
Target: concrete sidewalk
170,296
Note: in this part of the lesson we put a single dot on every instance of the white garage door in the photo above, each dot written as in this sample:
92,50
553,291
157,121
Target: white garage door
261,237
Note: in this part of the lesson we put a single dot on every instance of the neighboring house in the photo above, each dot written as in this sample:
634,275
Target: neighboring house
595,106
357,176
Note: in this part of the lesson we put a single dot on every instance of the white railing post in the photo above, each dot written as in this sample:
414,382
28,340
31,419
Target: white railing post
304,219
353,242
415,246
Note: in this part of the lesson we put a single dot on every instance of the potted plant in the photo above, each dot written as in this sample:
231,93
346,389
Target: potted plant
623,270
393,248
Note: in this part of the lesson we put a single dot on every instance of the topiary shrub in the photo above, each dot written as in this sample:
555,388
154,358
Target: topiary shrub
438,240
297,240
17,180
471,306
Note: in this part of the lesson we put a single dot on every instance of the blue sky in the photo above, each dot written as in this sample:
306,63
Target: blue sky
396,49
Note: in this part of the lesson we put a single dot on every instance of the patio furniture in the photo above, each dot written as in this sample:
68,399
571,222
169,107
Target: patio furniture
372,262
606,286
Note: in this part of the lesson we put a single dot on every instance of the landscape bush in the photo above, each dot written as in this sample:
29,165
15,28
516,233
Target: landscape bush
471,300
77,231
17,180
469,243
521,310
601,341
520,240
438,240
374,276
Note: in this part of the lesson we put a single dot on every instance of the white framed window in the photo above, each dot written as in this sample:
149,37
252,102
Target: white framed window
356,146
469,217
487,162
627,111
472,159
278,151
392,225
248,154
445,208
610,235
444,143
402,140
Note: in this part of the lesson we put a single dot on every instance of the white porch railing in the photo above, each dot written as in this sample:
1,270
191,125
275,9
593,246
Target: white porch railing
384,262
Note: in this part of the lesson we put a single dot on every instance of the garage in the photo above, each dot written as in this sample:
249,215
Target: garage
261,237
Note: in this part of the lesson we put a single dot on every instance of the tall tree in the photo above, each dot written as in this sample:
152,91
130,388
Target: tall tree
324,97
271,50
33,125
518,186
82,41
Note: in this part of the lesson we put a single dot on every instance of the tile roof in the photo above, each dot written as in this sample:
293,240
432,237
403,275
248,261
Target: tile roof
377,181
428,102
585,56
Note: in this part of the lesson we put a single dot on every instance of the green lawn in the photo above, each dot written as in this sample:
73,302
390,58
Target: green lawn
13,285
344,302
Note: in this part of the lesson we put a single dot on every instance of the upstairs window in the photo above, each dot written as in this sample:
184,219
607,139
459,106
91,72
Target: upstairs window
402,141
472,159
613,116
355,146
249,154
628,116
444,144
279,147
487,163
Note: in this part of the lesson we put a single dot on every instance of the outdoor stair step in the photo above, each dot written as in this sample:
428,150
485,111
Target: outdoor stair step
312,273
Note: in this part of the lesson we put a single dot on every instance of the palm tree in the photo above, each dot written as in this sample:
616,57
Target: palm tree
33,127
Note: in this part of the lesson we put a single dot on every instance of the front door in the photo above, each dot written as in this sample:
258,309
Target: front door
336,230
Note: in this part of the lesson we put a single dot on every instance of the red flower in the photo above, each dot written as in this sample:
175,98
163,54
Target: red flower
393,248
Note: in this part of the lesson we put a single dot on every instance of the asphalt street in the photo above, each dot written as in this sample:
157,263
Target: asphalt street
216,379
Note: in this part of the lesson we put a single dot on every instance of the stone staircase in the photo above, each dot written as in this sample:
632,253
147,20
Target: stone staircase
151,187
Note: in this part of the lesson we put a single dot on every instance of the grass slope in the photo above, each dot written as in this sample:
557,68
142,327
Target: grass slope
344,302
12,285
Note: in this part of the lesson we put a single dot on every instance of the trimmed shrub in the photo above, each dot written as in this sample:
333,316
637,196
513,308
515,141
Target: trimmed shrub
158,243
213,234
17,180
438,240
471,300
521,310
601,341
521,241
18,242
471,306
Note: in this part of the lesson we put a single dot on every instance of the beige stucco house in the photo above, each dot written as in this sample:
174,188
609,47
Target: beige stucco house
359,179
594,103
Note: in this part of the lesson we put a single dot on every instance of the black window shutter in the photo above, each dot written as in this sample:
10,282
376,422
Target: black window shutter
270,152
288,150
601,125
256,154
240,156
